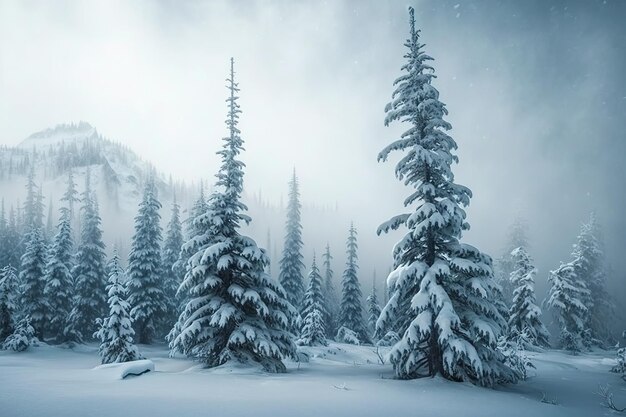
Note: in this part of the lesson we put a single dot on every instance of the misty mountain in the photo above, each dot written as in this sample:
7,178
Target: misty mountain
118,175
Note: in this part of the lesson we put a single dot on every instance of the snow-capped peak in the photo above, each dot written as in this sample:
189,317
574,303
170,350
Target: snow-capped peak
66,133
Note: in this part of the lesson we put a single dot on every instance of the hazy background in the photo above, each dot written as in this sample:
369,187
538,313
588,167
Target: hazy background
536,92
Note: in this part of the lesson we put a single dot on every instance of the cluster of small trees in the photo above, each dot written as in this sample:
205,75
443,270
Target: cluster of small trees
61,290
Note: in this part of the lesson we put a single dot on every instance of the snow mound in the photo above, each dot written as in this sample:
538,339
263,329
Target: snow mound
124,369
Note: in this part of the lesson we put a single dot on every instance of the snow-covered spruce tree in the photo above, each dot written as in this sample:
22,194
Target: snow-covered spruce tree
590,267
71,199
291,264
116,330
59,288
313,311
172,271
566,300
89,272
12,247
145,281
373,308
235,311
444,298
21,338
8,301
33,280
330,295
517,237
525,314
351,309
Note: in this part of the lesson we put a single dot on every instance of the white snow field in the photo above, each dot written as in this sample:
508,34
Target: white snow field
339,380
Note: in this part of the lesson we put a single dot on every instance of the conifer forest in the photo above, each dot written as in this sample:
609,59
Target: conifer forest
309,208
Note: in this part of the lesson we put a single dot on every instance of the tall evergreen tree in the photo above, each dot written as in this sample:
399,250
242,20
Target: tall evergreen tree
313,311
8,301
330,295
590,267
145,281
12,242
235,311
566,300
33,205
351,309
524,314
59,288
70,197
291,263
89,272
32,277
373,308
517,237
116,331
172,272
444,298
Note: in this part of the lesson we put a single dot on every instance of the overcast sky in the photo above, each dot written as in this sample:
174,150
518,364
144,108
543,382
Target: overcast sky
536,92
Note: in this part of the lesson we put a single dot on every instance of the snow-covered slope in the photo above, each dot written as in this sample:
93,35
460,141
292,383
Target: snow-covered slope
340,380
117,174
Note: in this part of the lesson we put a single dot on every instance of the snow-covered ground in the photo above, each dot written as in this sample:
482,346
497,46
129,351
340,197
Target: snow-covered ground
340,380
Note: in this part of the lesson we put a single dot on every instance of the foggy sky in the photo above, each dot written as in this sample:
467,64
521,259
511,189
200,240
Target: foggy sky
536,92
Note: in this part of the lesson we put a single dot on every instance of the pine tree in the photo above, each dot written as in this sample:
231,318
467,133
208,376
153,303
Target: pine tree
33,206
234,312
192,228
330,295
351,309
524,314
22,336
116,330
172,272
291,263
444,298
13,248
70,197
517,237
59,288
313,311
566,300
8,301
590,267
145,293
89,272
33,261
373,308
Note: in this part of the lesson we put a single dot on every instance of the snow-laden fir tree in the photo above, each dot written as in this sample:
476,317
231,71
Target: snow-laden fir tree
145,273
443,302
525,314
192,228
373,308
59,288
11,242
330,295
351,308
21,338
292,264
8,301
172,271
313,311
590,267
33,280
116,331
89,302
517,237
567,301
71,199
234,310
